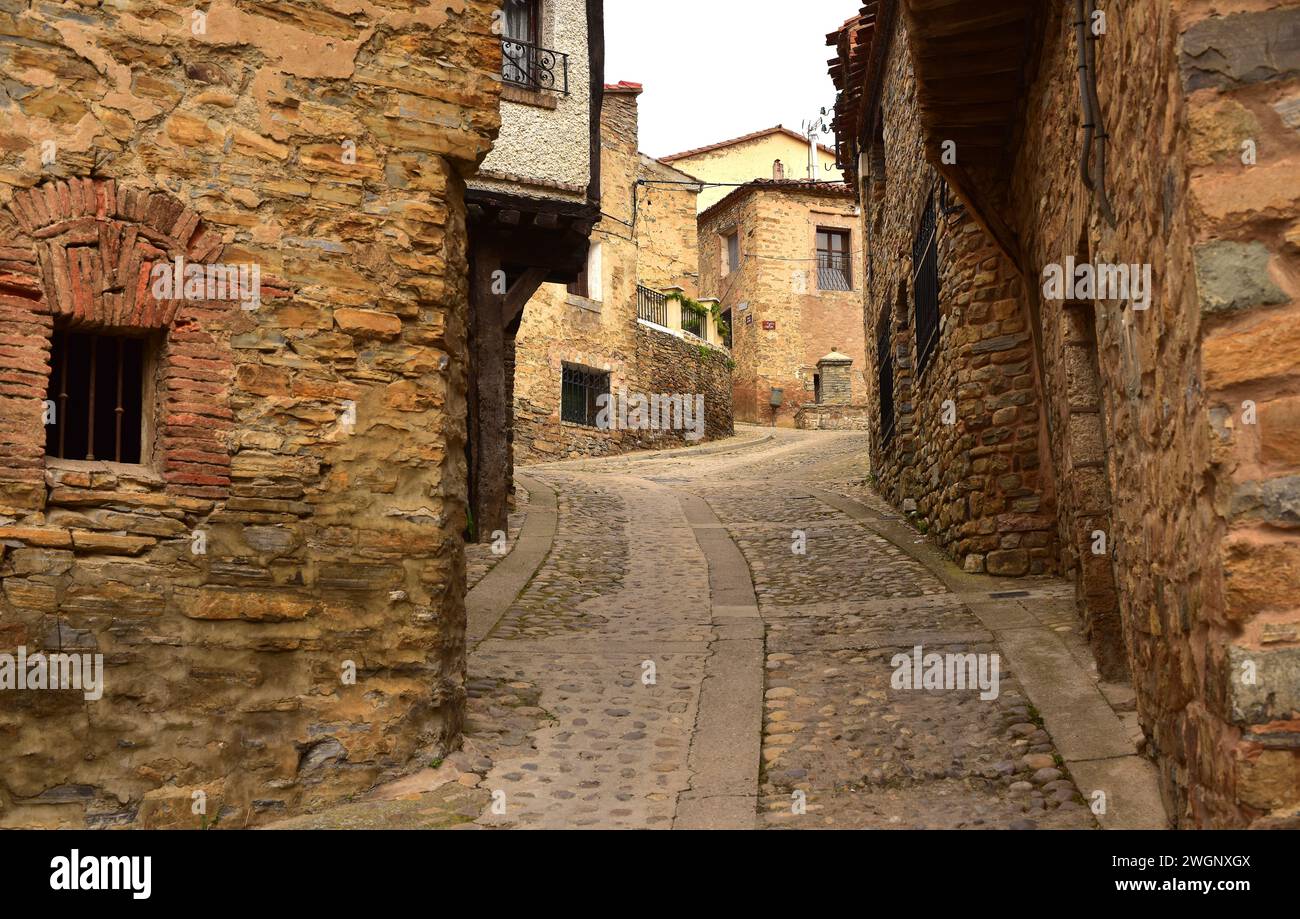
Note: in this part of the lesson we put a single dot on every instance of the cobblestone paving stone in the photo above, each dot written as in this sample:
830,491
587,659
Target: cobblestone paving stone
562,723
867,755
588,561
577,737
855,625
842,561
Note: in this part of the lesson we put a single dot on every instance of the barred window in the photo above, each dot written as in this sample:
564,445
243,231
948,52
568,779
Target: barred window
95,406
925,284
885,367
581,389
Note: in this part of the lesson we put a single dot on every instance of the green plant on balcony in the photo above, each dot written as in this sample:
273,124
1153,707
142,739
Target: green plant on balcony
713,309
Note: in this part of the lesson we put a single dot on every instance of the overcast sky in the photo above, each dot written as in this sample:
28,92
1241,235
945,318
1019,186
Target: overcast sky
716,69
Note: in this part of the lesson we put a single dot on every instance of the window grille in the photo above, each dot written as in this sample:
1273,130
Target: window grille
580,391
96,390
925,285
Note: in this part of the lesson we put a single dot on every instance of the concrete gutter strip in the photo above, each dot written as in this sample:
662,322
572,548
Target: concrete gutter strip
726,745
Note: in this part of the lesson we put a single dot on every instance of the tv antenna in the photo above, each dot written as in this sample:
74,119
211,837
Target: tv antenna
813,129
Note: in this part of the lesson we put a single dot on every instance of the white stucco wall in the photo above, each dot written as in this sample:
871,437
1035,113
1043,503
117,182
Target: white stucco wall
540,144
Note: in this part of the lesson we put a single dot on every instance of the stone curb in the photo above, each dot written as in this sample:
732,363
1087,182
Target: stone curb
492,596
710,449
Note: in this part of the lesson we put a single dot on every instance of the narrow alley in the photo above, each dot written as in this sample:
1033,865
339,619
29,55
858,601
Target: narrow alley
497,415
676,661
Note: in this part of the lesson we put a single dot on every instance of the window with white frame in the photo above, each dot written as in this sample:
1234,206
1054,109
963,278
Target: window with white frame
589,283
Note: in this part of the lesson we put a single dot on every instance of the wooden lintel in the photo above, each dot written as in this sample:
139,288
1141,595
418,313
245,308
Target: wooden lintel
964,187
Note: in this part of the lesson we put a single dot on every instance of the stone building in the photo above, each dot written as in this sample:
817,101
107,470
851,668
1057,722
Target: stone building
1083,309
613,332
533,205
774,153
784,259
234,374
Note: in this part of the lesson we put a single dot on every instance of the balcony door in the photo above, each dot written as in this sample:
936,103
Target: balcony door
523,36
524,21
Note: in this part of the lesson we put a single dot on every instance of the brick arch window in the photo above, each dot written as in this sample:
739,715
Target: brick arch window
102,362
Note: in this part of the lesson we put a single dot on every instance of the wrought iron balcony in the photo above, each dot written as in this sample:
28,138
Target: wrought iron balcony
651,305
535,68
692,322
833,272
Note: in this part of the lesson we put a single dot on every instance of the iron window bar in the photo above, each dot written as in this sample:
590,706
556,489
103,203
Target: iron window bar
948,203
533,67
106,383
885,364
579,392
925,284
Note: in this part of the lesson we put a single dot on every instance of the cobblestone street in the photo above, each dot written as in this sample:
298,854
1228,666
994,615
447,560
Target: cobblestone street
709,643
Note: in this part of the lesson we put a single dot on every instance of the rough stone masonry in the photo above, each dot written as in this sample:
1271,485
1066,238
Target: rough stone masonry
296,514
1146,446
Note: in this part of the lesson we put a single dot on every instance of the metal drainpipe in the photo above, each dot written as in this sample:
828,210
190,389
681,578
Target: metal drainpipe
1093,126
1103,199
1081,39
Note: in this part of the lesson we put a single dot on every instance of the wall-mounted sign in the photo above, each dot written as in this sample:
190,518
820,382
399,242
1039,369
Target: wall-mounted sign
740,308
769,325
749,320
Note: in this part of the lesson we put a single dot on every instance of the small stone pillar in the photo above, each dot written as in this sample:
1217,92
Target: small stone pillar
835,371
674,318
711,334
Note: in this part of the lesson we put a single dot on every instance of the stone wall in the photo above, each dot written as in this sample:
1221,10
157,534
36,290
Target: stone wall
814,417
1144,443
301,513
684,365
1203,522
667,235
1240,72
965,451
715,281
782,324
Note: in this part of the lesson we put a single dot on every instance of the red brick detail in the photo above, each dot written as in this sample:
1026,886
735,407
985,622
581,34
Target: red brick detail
80,252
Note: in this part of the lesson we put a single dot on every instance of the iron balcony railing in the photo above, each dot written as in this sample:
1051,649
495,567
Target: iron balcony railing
692,322
533,67
833,272
652,306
